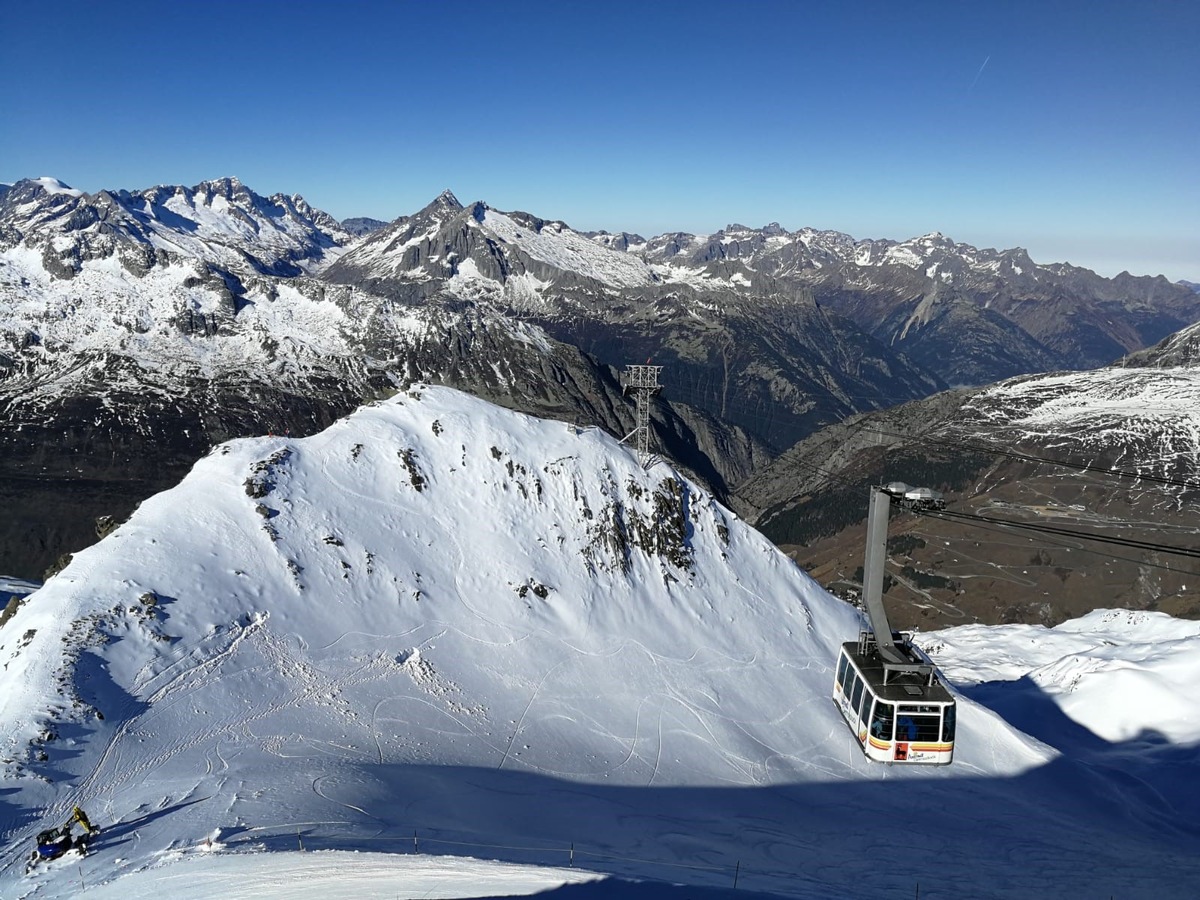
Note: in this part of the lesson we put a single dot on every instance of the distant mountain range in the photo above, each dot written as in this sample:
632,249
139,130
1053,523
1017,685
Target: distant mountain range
221,222
967,316
139,328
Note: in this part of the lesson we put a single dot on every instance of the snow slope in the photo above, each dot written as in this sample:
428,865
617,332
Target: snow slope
1145,417
1122,674
502,635
557,245
142,318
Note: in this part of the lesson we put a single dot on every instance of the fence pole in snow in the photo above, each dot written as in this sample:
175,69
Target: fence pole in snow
572,853
414,840
918,891
736,869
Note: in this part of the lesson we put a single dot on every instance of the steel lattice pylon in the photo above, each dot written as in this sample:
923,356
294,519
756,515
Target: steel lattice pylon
642,382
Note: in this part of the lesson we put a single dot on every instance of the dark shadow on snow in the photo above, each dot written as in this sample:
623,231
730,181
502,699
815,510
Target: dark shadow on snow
620,889
128,826
1098,821
1065,829
12,817
1147,768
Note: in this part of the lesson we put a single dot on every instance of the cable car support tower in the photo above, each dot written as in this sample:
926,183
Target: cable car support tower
642,382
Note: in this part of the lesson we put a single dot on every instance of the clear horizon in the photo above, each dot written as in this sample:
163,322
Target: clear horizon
1065,129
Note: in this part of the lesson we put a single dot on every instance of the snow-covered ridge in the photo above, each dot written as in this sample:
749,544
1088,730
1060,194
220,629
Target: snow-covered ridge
730,259
178,320
221,222
54,186
776,251
1144,418
226,223
1179,349
173,318
559,246
567,536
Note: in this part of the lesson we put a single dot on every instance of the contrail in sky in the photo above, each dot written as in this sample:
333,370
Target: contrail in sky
977,74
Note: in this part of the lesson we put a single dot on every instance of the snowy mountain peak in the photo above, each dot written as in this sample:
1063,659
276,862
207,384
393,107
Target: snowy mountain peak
477,252
227,186
490,542
440,208
31,196
54,186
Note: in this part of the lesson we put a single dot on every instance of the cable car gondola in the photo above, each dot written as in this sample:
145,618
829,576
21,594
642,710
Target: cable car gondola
888,691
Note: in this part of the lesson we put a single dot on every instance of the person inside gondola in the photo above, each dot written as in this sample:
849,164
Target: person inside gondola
906,729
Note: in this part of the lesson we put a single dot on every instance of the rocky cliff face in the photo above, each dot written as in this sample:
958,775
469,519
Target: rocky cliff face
1180,349
362,225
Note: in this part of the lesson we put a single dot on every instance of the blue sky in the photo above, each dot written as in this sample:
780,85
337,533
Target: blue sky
1070,129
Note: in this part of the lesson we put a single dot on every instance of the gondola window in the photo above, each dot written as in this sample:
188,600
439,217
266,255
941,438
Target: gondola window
881,723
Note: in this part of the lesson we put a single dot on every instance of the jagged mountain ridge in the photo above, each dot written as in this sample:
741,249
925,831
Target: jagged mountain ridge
759,354
921,294
965,315
221,222
1140,418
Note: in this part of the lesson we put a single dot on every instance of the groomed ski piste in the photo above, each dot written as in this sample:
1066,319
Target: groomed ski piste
447,650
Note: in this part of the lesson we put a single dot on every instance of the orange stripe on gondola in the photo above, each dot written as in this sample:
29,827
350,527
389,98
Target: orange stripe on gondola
927,748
